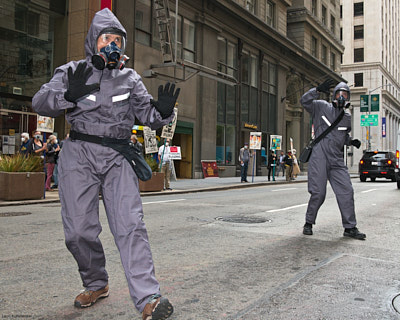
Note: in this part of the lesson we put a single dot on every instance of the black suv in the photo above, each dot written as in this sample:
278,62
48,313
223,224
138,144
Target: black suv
377,164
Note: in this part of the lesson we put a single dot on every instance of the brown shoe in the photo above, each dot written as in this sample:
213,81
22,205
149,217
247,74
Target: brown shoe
89,297
157,309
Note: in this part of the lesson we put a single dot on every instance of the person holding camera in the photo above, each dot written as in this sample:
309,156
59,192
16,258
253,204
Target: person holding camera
326,161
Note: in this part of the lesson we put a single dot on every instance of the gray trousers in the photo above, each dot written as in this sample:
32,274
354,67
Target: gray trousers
319,172
85,169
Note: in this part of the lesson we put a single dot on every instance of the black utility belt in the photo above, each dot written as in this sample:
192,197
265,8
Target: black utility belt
124,147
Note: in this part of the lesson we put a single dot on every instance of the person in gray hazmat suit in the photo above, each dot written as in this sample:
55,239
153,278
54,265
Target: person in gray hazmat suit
101,99
326,161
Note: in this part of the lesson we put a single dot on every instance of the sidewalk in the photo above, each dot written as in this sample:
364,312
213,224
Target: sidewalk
182,186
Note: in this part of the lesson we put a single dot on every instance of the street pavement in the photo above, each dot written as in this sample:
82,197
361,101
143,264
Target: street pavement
228,253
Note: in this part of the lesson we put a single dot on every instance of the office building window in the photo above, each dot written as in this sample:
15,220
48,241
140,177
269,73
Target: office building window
143,22
249,101
314,7
186,37
341,12
333,61
341,34
323,15
314,46
359,55
359,9
270,13
26,21
358,79
333,24
251,6
324,54
358,32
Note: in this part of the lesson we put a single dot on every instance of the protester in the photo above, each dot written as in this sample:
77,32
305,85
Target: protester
271,165
281,164
296,167
102,100
25,143
136,143
51,154
166,163
288,160
37,146
327,161
244,158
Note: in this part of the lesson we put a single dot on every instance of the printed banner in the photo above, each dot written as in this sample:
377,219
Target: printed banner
275,142
175,153
255,140
150,140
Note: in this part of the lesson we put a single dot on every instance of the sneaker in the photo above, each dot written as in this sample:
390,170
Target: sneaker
307,229
54,187
88,297
354,233
157,308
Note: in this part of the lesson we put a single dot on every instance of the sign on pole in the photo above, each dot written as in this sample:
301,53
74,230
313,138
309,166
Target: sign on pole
374,102
364,103
169,129
45,124
150,140
383,127
275,142
255,140
370,120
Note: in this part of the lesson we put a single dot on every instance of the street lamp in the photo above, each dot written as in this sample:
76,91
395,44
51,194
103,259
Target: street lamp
369,112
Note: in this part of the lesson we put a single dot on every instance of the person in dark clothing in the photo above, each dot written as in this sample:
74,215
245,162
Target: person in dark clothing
271,165
244,158
25,143
288,160
51,153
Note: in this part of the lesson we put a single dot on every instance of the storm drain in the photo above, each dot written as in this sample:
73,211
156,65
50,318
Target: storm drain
396,303
243,219
14,214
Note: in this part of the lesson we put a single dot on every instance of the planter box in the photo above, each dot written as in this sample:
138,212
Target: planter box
21,185
156,183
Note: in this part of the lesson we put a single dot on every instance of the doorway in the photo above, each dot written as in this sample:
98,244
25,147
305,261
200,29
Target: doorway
183,168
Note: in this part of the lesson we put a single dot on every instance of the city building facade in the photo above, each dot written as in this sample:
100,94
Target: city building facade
370,32
242,66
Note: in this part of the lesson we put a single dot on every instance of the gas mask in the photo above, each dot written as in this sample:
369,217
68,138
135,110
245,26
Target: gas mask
110,55
342,98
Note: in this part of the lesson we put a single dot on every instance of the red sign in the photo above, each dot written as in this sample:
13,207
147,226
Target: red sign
106,4
210,169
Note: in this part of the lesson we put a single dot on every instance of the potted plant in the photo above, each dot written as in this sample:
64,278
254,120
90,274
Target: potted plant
156,183
21,177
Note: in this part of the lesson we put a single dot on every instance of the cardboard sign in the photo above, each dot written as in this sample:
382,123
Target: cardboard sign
169,130
150,140
255,140
45,124
210,169
275,142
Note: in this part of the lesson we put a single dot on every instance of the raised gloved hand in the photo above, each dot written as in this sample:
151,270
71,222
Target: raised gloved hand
356,143
325,86
166,99
77,87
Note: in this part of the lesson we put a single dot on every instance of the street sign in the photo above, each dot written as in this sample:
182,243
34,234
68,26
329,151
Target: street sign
374,102
370,120
383,127
364,103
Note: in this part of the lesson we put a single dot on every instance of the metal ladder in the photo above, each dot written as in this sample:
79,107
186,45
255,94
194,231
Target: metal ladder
161,8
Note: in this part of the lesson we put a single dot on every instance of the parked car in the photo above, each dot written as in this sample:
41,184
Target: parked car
377,164
397,170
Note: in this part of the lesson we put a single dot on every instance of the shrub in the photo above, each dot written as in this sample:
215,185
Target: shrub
20,163
152,163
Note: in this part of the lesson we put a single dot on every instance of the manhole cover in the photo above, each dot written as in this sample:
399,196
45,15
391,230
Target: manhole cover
13,214
241,219
396,303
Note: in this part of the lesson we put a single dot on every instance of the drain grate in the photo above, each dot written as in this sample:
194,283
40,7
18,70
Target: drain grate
243,219
14,214
396,303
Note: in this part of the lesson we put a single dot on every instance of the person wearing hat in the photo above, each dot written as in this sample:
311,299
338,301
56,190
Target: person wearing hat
327,158
288,160
244,158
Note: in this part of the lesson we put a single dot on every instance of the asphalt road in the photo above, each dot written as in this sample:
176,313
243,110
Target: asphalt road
211,268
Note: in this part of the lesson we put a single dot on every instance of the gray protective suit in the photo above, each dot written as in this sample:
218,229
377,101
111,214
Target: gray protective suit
326,161
85,168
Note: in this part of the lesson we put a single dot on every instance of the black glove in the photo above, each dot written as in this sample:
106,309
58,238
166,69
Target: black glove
77,87
356,143
325,86
166,100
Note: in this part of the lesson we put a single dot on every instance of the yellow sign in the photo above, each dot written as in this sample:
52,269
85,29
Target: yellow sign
250,126
11,132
